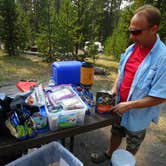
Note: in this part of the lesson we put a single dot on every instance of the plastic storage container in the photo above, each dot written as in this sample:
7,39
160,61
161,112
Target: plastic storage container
71,118
72,112
66,72
66,118
53,121
48,155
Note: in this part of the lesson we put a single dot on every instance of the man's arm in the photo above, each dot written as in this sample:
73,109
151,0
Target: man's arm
141,103
115,86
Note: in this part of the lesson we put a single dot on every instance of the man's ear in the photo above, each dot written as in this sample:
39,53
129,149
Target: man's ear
155,28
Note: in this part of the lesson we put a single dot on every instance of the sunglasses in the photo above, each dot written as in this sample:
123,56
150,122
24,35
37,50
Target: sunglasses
136,31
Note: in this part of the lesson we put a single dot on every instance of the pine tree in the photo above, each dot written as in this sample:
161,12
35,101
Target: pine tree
14,28
9,17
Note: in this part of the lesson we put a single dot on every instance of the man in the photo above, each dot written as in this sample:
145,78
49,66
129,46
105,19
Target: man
140,85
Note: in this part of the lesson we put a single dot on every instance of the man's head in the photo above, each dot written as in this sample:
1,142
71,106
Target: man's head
144,25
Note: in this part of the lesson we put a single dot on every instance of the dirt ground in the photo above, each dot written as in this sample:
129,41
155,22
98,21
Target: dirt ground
151,153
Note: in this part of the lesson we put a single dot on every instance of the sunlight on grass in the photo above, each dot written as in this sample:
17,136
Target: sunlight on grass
162,138
110,64
107,63
105,82
161,124
160,128
13,69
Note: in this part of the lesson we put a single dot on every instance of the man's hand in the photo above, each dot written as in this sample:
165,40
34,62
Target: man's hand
147,101
120,108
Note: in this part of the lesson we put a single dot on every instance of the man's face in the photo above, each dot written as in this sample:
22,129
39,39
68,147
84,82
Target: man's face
140,31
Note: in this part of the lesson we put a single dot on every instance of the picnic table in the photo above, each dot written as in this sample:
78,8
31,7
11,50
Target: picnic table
10,145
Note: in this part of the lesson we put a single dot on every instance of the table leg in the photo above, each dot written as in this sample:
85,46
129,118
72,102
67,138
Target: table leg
63,142
7,159
71,144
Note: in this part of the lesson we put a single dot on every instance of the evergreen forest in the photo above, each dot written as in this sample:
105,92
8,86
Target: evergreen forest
60,28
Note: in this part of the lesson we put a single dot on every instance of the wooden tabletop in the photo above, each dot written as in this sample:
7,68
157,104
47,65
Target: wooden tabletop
9,145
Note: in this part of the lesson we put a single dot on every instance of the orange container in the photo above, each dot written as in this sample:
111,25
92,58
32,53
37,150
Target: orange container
87,74
103,108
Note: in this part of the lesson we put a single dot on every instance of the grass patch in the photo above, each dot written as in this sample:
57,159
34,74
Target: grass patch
105,82
162,138
13,69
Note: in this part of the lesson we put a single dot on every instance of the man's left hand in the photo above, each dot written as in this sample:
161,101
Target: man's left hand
120,108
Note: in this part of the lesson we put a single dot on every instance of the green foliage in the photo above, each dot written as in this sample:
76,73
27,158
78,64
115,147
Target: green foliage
1,27
110,16
91,51
23,30
44,44
45,37
60,28
14,28
40,14
162,30
9,17
136,4
119,40
58,40
66,29
107,45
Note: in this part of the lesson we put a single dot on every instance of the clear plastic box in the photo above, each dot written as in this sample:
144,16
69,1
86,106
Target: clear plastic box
65,118
52,154
71,118
53,121
72,114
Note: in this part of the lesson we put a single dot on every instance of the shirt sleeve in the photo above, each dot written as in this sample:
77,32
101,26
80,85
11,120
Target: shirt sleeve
158,88
120,62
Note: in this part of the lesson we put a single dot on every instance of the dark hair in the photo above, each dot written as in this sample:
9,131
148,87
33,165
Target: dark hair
151,13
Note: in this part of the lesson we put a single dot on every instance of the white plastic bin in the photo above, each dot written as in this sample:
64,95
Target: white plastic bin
121,157
48,155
